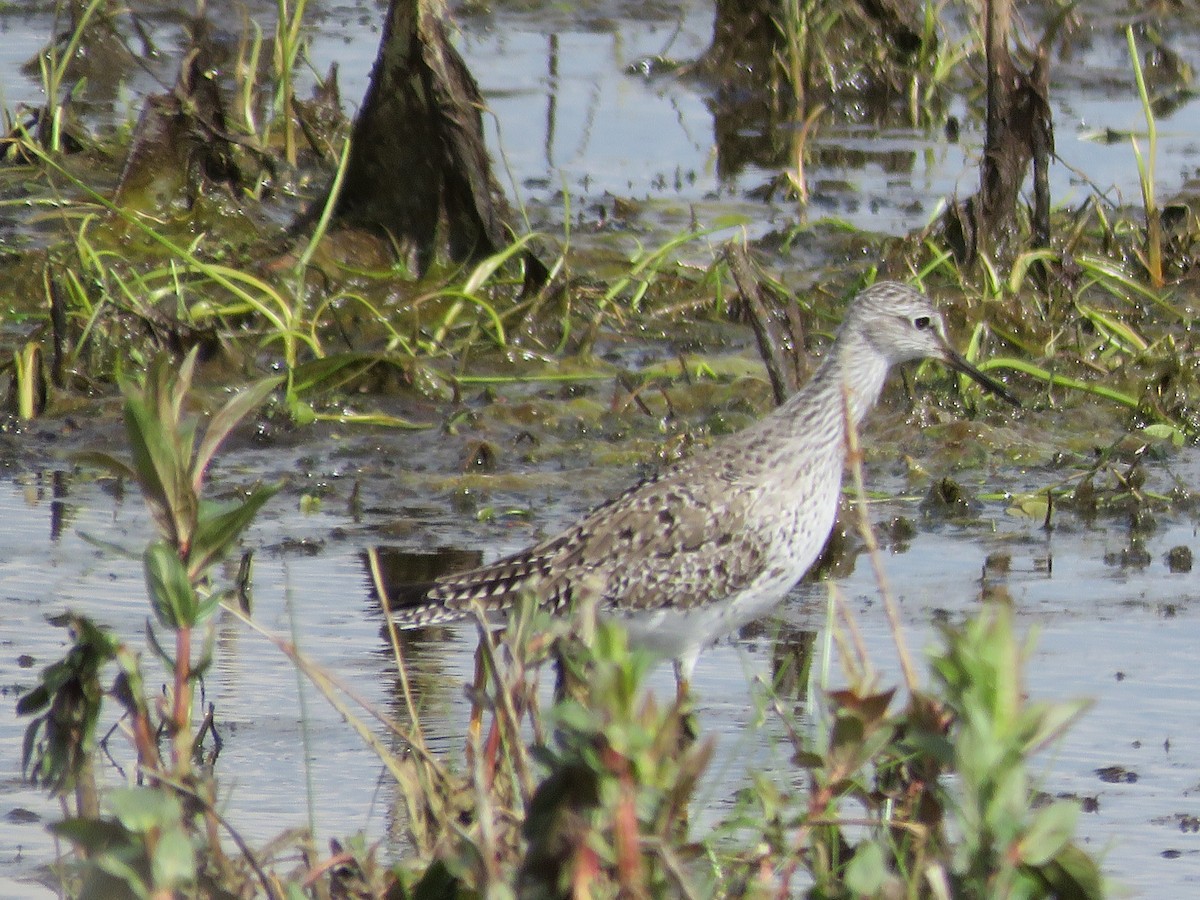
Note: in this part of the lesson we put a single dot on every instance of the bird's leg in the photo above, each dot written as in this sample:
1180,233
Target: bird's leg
683,684
689,728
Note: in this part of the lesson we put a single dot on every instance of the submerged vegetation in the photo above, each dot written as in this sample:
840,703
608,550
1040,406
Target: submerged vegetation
203,242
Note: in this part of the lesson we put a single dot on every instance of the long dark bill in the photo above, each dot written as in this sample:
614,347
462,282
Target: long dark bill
956,362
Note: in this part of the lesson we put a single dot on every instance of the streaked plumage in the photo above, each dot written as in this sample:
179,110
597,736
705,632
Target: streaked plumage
720,538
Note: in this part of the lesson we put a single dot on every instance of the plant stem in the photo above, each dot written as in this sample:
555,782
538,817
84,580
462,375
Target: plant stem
1146,167
182,712
855,459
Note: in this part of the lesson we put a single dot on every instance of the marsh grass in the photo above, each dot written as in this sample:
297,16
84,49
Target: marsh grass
825,46
132,284
290,43
53,64
1100,332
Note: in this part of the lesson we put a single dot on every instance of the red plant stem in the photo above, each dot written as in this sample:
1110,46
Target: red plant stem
182,713
584,872
491,753
143,738
625,827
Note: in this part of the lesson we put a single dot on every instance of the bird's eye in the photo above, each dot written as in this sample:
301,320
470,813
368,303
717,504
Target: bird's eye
922,322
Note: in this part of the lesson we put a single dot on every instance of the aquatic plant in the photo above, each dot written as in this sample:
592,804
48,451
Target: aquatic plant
289,45
932,799
147,844
1090,318
1152,256
50,123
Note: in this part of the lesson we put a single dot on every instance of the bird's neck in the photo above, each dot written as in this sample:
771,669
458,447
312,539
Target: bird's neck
845,386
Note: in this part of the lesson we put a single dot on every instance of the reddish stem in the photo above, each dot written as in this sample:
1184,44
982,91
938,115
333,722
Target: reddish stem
182,713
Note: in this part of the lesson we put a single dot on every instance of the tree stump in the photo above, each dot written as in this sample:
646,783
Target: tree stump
418,169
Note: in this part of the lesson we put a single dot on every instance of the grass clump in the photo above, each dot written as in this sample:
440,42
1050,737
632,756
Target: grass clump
933,799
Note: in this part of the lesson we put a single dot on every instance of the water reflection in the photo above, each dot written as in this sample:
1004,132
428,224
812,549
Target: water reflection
406,575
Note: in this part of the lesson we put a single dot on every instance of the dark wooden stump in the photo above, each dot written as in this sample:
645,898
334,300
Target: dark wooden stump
418,169
1019,131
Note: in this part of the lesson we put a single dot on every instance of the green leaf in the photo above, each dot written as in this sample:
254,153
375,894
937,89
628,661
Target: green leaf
102,460
1161,431
871,708
151,454
1052,720
488,267
846,737
320,373
206,608
301,412
91,835
161,468
439,881
1134,341
574,717
119,866
171,592
806,759
1031,506
866,871
33,701
1073,873
173,388
240,406
157,648
221,525
1054,380
384,420
937,747
1050,832
143,810
174,860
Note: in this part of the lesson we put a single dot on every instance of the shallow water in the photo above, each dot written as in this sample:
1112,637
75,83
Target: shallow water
1123,637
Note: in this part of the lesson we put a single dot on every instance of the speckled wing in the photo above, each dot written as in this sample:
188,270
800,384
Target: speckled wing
678,540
